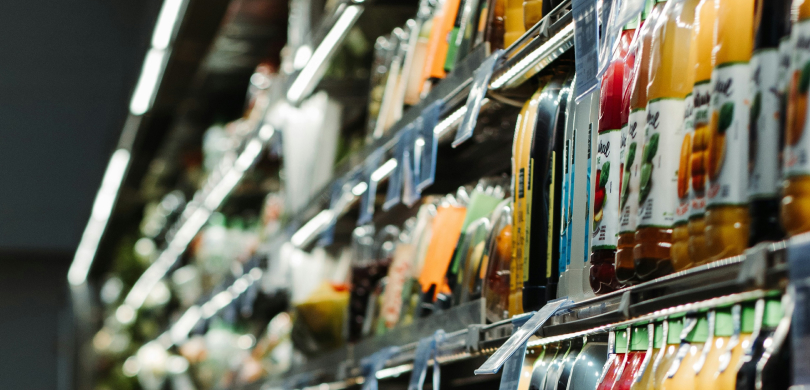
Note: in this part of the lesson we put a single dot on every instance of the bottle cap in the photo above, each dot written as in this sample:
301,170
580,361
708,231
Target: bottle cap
701,331
640,339
658,342
621,341
773,313
748,314
674,332
723,323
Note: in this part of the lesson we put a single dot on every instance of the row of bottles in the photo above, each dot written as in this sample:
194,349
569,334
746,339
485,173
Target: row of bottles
742,347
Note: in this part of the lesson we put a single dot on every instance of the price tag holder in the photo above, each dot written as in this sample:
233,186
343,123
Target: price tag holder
429,143
410,171
512,369
476,97
393,195
374,363
328,235
425,350
520,337
370,196
586,41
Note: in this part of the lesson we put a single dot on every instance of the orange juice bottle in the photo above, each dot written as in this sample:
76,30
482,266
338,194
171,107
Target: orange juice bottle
643,378
636,89
746,320
772,25
666,93
680,228
727,218
721,327
796,162
681,373
513,22
663,359
532,13
703,39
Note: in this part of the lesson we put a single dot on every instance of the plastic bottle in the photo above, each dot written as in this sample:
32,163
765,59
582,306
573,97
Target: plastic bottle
680,228
496,265
672,335
764,327
542,366
666,93
744,318
707,368
727,219
532,12
764,132
645,374
639,342
796,192
513,22
636,91
566,201
585,373
616,361
543,192
703,39
681,373
608,171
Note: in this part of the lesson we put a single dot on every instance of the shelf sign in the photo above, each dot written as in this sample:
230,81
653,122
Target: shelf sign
374,363
520,337
586,52
410,171
369,197
478,92
429,143
393,195
328,235
426,349
512,369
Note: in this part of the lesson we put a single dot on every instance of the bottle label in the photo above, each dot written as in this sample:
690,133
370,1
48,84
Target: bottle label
701,97
727,155
797,142
659,163
588,191
783,85
685,156
763,132
632,144
606,190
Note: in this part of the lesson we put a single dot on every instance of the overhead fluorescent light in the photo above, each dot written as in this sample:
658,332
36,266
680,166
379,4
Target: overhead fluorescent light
100,215
151,73
313,70
166,23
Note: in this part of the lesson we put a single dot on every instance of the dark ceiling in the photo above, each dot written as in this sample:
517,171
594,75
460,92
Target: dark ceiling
66,76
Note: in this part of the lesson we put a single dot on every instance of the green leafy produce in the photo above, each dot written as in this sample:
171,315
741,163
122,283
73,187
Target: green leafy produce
646,181
605,174
650,149
625,188
726,117
631,155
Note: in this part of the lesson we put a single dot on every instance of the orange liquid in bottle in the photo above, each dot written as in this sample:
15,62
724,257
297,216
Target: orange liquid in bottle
703,40
726,379
717,347
796,192
727,217
637,117
666,94
681,373
663,360
513,22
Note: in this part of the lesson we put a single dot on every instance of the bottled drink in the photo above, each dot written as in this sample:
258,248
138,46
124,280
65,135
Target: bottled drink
591,359
532,12
645,376
542,366
636,91
663,360
764,129
796,199
496,265
764,333
703,39
513,22
666,93
681,373
721,328
727,219
744,318
639,342
616,361
608,172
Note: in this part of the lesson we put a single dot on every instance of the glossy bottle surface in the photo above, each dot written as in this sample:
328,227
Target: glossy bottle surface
631,369
513,22
727,218
587,368
612,371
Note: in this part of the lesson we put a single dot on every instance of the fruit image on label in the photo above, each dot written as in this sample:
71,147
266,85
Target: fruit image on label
660,163
606,194
728,135
701,96
682,210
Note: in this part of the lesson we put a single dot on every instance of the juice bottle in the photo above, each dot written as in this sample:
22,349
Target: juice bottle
764,130
591,359
663,360
608,171
556,365
442,25
543,193
636,90
447,228
497,263
681,373
656,343
566,204
763,335
776,366
616,361
542,365
532,12
727,219
796,165
666,93
716,345
513,22
424,23
680,227
703,39
639,343
567,364
744,318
